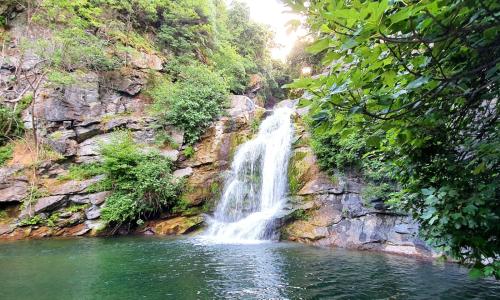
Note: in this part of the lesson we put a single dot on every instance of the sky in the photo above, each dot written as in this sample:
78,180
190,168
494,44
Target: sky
274,13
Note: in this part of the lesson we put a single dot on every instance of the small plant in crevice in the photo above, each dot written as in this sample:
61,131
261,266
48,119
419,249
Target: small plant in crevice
82,172
188,152
299,214
31,221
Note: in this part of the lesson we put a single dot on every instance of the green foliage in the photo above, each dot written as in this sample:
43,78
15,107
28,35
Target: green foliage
414,87
299,214
5,154
232,68
194,102
31,221
52,220
82,172
141,184
188,151
74,208
188,26
11,124
72,49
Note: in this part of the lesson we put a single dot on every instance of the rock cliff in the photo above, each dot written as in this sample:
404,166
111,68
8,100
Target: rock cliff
328,211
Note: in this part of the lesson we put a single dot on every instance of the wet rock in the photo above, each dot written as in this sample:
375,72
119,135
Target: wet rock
319,185
178,225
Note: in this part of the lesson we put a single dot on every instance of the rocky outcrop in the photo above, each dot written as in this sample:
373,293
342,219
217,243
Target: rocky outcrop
212,155
73,209
328,211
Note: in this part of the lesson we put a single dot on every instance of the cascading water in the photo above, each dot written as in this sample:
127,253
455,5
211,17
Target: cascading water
255,189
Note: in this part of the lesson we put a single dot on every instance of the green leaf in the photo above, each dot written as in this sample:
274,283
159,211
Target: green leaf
318,46
475,273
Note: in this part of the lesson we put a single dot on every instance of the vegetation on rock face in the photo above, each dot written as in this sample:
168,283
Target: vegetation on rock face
193,102
142,184
414,87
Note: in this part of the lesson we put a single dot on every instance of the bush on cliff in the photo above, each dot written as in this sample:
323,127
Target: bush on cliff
193,102
142,184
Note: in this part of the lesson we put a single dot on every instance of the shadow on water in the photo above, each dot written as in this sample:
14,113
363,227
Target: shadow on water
163,268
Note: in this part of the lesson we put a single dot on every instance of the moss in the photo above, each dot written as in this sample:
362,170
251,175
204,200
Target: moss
3,215
76,208
236,140
300,214
56,135
296,170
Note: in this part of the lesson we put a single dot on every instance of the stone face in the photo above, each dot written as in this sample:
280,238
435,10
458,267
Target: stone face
77,102
15,192
126,81
336,215
44,204
93,212
74,187
186,172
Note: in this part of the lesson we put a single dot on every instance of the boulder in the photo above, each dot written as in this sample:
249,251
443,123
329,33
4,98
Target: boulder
142,60
173,155
93,212
177,225
241,105
43,204
74,186
13,185
181,173
16,192
95,198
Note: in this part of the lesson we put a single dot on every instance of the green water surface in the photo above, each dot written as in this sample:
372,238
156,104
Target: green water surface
164,268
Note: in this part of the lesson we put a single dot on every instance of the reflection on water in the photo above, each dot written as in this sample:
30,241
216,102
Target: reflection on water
158,268
247,271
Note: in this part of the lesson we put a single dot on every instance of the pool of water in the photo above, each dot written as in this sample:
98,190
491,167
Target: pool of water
164,268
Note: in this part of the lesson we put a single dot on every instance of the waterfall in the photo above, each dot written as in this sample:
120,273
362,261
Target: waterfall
255,189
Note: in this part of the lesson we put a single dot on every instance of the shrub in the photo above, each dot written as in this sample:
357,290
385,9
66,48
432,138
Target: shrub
141,184
5,154
11,125
193,102
232,68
